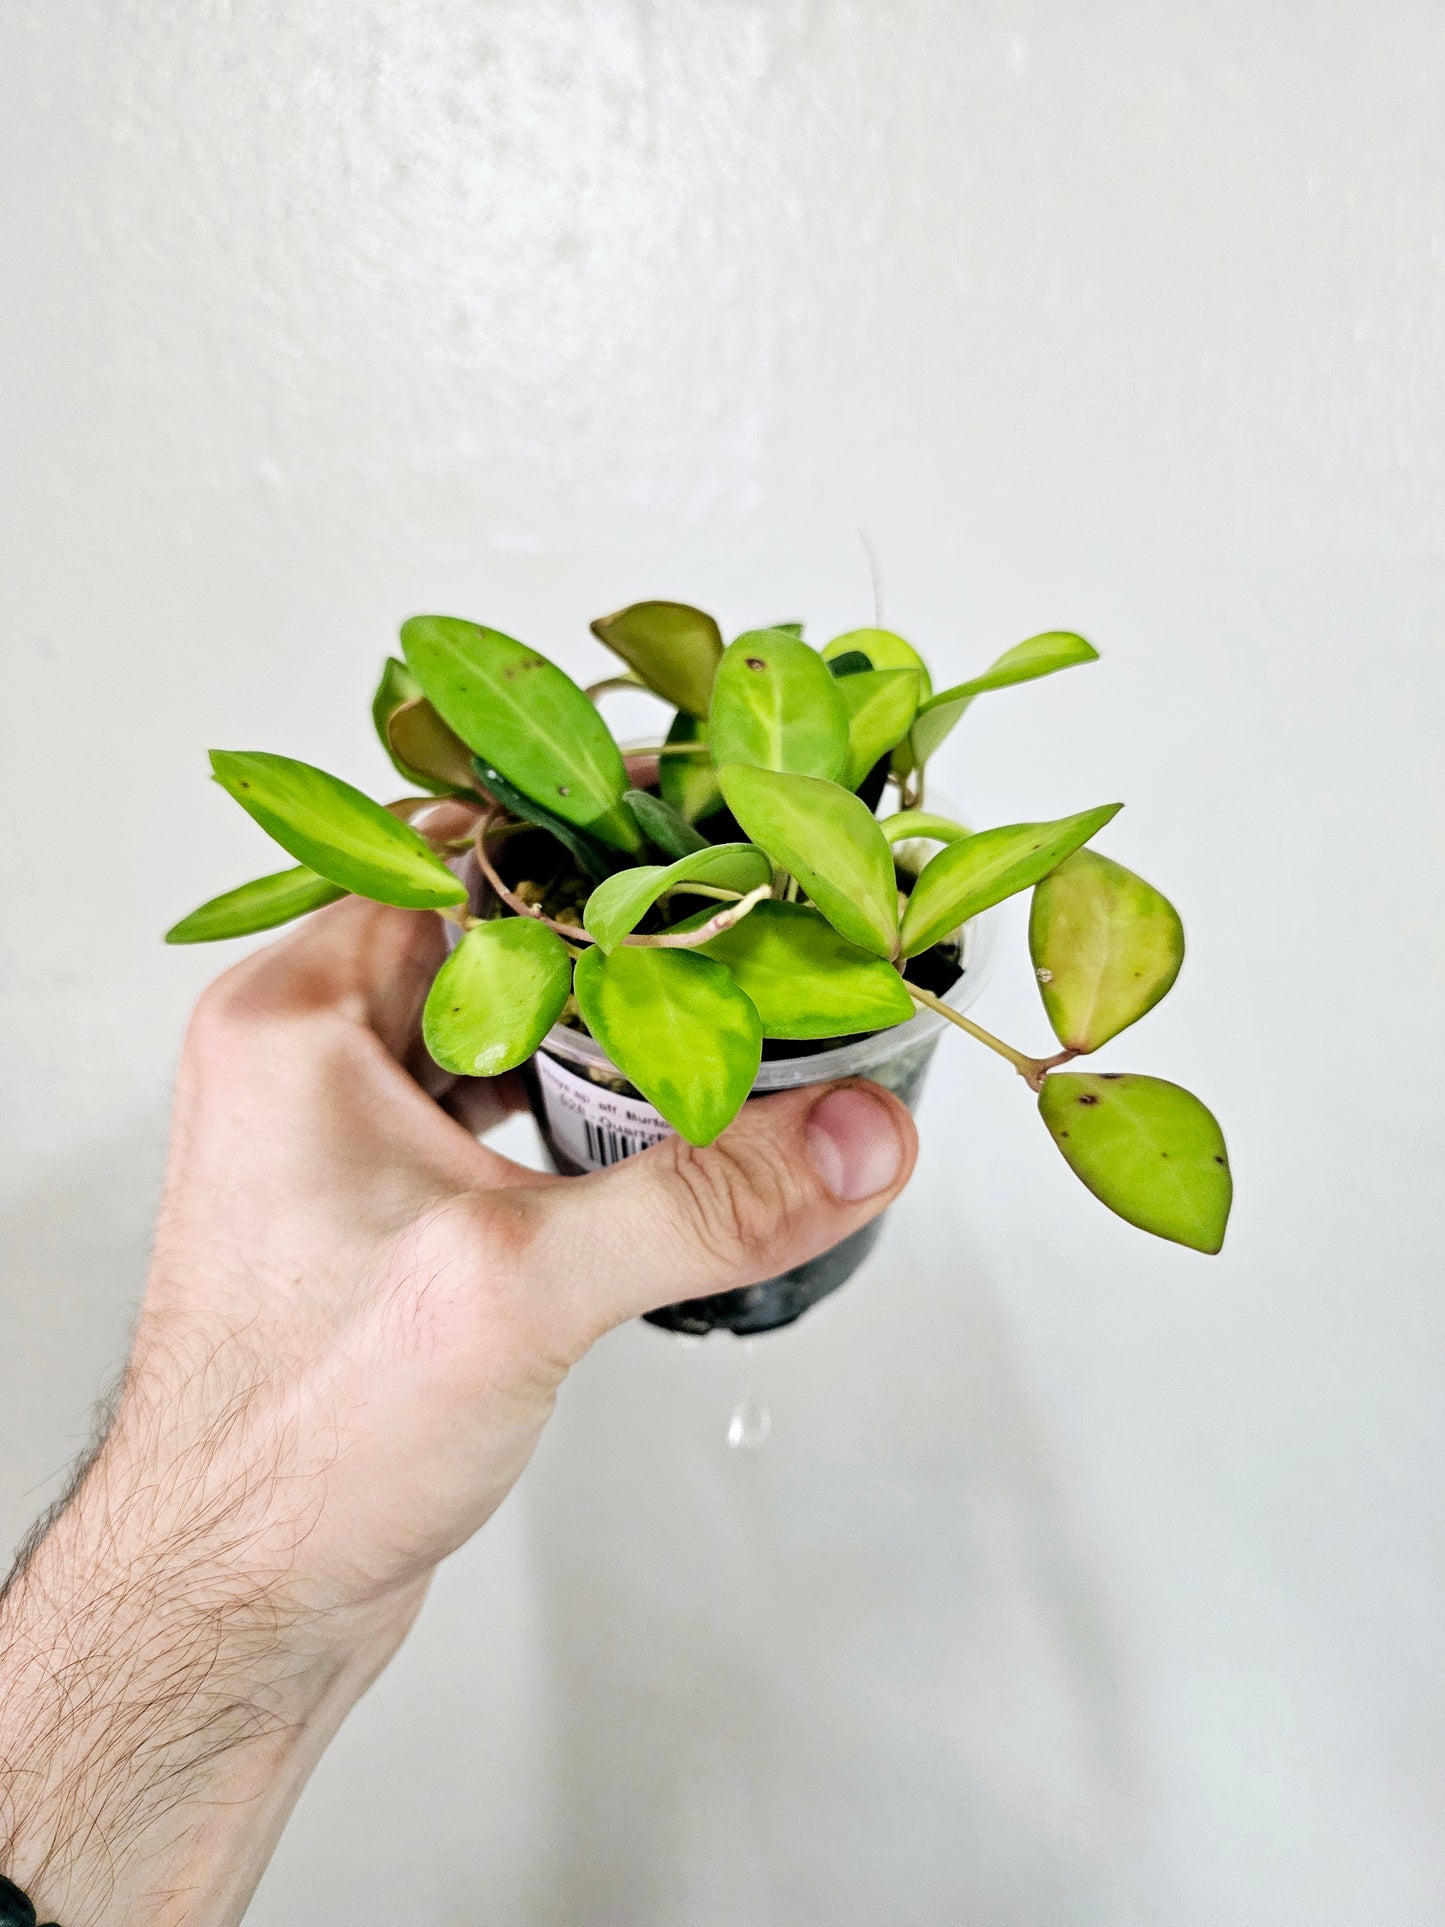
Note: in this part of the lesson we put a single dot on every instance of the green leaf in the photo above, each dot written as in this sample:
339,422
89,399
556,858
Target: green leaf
616,907
689,783
663,826
775,706
426,751
336,831
678,1027
1106,947
1039,656
805,979
675,649
911,823
982,870
852,662
397,686
496,997
1147,1149
421,747
255,906
884,650
528,718
593,858
789,628
829,841
880,705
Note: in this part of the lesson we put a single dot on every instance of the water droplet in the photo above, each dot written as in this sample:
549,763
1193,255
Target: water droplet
749,1424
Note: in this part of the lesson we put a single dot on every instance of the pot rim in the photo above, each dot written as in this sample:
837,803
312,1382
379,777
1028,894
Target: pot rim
848,1060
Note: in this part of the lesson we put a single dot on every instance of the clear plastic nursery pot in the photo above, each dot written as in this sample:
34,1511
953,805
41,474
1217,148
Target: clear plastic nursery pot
589,1116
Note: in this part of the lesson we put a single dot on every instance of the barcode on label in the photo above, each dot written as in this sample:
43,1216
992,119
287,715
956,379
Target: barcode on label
590,1125
606,1146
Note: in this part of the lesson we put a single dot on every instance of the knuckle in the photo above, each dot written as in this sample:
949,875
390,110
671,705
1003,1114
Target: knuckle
500,1226
467,1266
734,1198
479,1240
223,1007
457,1295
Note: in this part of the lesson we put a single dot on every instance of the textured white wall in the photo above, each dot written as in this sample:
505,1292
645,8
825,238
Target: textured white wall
1084,1583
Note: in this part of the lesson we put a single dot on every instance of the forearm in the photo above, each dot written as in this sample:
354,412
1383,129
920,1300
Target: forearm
162,1701
356,1325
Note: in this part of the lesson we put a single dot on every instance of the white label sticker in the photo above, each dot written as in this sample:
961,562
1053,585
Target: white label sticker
593,1126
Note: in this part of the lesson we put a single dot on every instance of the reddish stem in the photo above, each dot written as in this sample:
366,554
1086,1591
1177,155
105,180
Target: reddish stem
714,927
681,940
510,897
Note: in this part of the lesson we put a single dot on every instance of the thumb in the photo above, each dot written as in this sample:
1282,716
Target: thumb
791,1176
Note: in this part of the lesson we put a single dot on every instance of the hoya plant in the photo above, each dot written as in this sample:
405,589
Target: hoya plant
767,871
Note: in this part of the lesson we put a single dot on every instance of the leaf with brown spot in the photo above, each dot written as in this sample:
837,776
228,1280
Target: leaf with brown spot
527,717
775,706
1146,1148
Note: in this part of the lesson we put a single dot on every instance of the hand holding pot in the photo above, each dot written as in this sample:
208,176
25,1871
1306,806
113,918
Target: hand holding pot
355,1327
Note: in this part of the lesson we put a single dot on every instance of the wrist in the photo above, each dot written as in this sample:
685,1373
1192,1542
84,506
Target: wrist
165,1692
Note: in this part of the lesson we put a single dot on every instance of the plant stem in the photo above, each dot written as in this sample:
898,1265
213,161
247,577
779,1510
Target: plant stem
596,689
571,934
1032,1070
509,897
714,927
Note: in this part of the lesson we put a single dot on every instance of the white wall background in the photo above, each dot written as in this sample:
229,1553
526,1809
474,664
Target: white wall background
1084,1583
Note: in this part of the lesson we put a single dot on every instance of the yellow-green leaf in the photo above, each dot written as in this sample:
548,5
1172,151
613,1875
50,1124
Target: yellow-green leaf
1106,947
907,824
1147,1149
821,834
618,905
397,686
982,870
775,706
526,716
421,748
426,751
496,997
884,650
674,648
805,979
337,831
880,705
259,905
678,1027
1038,656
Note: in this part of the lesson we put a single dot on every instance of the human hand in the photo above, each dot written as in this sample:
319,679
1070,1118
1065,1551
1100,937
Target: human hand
355,1327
